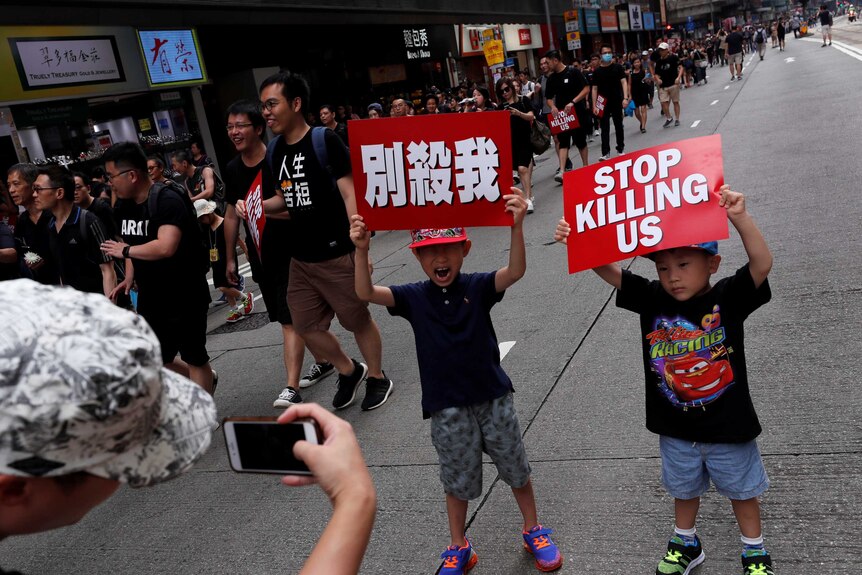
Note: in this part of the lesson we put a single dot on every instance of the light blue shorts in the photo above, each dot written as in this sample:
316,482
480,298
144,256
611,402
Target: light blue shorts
735,469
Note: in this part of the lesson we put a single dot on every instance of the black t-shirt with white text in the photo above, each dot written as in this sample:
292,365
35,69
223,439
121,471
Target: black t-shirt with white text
694,357
607,80
166,283
667,69
275,242
319,227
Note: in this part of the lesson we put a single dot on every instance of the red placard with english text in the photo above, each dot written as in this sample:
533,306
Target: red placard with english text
563,122
436,171
600,106
653,199
254,209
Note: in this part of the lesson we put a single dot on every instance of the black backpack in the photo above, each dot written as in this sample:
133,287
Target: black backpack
192,227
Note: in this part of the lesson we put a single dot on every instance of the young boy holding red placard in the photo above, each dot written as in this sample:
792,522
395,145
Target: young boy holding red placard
465,391
697,396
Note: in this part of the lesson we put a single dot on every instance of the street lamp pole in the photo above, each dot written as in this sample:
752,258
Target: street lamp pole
548,21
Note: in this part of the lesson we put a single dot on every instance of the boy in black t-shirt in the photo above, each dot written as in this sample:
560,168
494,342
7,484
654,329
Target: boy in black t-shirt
697,396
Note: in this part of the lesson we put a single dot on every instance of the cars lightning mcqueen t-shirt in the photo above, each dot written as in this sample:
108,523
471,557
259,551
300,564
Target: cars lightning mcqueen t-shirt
320,228
694,357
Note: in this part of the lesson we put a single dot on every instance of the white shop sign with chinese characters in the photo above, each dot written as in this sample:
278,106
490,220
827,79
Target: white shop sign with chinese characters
416,43
46,62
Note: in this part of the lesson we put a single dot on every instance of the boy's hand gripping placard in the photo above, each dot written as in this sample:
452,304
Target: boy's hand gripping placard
436,171
653,199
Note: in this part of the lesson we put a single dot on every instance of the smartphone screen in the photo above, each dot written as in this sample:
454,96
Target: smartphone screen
268,447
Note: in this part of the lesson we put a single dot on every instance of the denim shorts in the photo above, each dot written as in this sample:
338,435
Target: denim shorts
461,434
735,469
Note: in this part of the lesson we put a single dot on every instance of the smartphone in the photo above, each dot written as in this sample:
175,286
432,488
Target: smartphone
260,445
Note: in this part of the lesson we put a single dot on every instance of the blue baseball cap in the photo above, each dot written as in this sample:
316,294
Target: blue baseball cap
709,247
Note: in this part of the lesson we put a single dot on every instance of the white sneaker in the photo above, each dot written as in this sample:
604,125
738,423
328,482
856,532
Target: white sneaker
529,206
605,157
316,372
287,397
558,177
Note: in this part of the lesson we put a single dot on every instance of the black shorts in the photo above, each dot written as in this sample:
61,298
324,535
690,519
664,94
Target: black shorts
273,288
578,136
183,332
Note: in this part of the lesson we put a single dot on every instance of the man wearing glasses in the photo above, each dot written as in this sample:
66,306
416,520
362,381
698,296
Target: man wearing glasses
611,84
317,193
159,248
75,235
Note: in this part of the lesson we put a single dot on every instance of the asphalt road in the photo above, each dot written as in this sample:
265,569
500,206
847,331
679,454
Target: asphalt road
791,143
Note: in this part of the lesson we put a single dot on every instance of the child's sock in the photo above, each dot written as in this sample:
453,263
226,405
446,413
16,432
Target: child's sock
688,536
752,547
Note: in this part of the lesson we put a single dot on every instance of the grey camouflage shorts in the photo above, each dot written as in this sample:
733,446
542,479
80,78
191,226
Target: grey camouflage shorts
461,434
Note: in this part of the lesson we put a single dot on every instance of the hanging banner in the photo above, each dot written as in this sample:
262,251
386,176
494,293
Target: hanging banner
494,52
653,199
448,170
254,208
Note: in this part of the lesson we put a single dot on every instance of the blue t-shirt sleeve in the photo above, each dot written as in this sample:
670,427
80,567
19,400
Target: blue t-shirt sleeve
488,288
404,296
635,292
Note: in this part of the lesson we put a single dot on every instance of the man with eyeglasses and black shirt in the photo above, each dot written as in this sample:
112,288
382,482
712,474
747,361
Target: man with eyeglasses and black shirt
611,83
75,235
316,190
31,229
160,246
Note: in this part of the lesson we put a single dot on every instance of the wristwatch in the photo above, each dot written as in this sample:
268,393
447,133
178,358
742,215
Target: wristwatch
126,251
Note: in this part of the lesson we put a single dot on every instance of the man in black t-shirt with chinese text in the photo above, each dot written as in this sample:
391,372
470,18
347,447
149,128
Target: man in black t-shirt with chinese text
318,195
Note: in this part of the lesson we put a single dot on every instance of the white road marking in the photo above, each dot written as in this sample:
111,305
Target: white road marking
851,51
696,122
714,102
258,296
727,87
789,60
505,348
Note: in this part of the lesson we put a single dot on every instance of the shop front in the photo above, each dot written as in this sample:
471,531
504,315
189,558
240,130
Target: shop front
72,92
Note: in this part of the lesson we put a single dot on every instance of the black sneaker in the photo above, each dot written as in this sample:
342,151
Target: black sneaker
757,564
680,558
347,385
568,164
287,397
377,391
315,373
667,122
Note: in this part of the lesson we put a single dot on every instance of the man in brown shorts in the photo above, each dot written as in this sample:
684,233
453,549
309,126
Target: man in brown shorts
668,74
314,185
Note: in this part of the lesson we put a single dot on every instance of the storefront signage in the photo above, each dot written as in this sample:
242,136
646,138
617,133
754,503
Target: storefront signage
473,38
649,21
609,20
658,198
432,172
623,16
525,37
591,17
573,40
67,112
416,43
635,17
518,37
65,61
171,57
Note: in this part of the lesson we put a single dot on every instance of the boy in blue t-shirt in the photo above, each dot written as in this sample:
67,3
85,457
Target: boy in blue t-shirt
465,391
697,396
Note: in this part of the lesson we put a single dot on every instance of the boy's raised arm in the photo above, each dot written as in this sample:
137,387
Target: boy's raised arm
507,276
611,273
759,256
366,290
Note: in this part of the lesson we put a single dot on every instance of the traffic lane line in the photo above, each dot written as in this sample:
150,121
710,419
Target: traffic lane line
695,124
714,102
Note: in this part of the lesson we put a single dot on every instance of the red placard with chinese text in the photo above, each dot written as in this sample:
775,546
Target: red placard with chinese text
436,171
254,209
653,199
563,122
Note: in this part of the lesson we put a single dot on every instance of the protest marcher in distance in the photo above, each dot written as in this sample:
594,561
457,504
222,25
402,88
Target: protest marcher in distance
610,82
521,116
567,91
59,459
697,392
462,381
668,74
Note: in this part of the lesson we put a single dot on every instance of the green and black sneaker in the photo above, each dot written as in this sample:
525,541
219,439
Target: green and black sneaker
681,558
757,563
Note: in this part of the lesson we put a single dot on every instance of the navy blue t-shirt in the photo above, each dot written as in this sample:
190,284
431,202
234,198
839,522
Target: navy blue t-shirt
459,358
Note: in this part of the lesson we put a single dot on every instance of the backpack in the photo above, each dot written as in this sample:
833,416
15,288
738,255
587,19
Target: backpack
318,133
218,195
202,250
759,37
